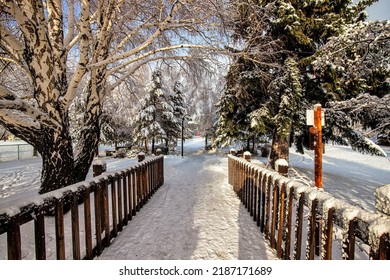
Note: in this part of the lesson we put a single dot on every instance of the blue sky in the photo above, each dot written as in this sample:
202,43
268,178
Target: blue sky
379,10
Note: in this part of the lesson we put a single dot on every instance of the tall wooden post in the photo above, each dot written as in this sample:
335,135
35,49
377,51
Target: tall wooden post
318,146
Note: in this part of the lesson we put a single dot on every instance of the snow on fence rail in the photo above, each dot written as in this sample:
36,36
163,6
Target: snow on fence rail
290,213
113,197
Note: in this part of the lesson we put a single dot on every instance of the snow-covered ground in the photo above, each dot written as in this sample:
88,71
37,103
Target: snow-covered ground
195,214
347,174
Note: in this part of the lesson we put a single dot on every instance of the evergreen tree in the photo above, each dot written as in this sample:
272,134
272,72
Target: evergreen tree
353,69
116,130
155,119
179,108
178,101
298,29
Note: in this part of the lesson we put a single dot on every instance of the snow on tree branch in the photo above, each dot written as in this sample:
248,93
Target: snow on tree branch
162,27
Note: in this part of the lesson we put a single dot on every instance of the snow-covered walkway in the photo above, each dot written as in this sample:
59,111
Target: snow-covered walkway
194,215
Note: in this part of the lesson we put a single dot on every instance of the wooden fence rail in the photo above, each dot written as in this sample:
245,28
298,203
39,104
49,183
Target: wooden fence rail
296,218
107,203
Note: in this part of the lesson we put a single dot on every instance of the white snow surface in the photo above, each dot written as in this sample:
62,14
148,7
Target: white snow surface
195,214
347,174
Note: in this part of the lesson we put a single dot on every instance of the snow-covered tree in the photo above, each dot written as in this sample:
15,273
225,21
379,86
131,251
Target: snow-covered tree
155,120
179,106
295,32
356,62
354,121
354,72
178,101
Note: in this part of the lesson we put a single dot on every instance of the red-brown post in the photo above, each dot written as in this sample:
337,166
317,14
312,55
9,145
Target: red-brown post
318,146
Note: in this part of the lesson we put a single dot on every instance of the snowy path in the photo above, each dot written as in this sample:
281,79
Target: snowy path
194,215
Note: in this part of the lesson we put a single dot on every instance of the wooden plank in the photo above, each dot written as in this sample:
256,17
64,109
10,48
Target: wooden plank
289,224
274,214
130,192
268,209
98,220
152,173
147,171
155,178
384,247
259,195
256,181
114,208
299,224
106,213
60,228
247,186
88,224
14,245
281,227
241,181
329,235
263,202
146,183
120,208
318,232
251,190
349,245
125,201
145,177
312,231
75,227
162,170
39,228
138,186
134,188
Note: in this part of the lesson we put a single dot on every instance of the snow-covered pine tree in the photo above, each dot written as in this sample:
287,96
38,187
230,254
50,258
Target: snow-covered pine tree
179,107
300,29
244,109
178,101
290,90
116,130
353,69
155,118
358,119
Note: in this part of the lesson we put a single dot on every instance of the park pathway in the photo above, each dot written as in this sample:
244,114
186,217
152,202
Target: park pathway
194,215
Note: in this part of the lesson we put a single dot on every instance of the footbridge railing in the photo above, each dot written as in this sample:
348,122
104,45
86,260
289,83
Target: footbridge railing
78,221
302,222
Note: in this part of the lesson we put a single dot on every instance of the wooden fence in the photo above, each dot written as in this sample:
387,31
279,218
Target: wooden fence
298,219
107,203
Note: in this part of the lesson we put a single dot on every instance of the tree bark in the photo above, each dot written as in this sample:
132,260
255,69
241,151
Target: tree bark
89,143
90,134
57,160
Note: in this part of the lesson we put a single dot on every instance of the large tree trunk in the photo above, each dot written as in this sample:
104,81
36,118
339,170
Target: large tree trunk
90,134
57,160
89,144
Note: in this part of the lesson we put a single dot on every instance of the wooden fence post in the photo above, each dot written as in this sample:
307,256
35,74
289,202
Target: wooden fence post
98,167
318,149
